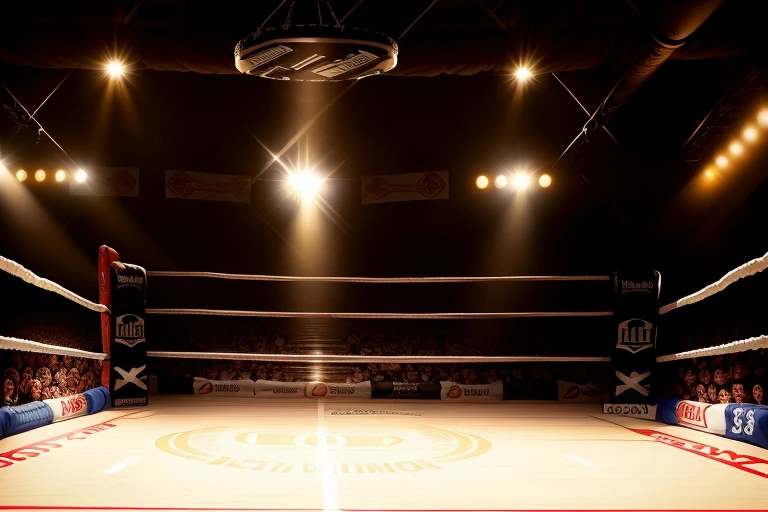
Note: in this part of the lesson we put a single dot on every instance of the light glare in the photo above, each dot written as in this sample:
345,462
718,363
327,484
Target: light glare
481,182
306,184
721,162
521,181
523,73
60,175
545,180
40,175
762,118
736,148
750,134
501,181
80,176
115,69
21,175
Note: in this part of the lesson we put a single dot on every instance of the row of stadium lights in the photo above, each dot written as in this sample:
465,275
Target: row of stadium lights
520,181
60,176
749,135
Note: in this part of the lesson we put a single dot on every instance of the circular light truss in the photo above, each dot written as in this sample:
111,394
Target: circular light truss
315,53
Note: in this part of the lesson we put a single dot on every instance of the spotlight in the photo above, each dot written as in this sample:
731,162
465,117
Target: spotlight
523,74
501,181
762,118
545,180
60,176
521,181
115,69
736,148
721,162
80,176
40,175
21,175
306,184
750,134
481,182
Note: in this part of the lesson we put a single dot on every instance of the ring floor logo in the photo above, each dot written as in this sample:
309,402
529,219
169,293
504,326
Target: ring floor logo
350,450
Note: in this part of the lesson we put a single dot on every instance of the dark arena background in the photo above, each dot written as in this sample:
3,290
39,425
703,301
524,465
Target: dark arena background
357,255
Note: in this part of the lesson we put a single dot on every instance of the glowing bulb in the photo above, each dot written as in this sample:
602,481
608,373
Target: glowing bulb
521,181
306,184
545,180
721,162
481,182
40,175
736,148
501,181
762,118
115,69
750,134
21,175
80,176
60,175
523,73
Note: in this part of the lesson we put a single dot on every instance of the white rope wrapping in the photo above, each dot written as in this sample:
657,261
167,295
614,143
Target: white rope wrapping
338,358
43,348
402,316
17,270
748,269
376,280
727,348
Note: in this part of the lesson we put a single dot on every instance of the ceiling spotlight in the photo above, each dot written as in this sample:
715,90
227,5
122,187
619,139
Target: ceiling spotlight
523,73
115,69
521,181
80,176
736,148
762,118
21,175
305,183
545,180
40,175
481,182
750,134
60,176
710,174
721,162
501,181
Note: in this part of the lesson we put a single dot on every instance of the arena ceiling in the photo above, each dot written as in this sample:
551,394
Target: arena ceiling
631,101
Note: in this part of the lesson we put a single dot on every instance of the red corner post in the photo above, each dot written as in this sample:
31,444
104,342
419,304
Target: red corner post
107,255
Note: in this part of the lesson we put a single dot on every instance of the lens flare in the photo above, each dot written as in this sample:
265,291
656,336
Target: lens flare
80,176
40,175
501,181
60,175
21,175
481,182
545,180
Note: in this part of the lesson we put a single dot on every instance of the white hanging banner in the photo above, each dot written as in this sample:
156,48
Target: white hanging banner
207,186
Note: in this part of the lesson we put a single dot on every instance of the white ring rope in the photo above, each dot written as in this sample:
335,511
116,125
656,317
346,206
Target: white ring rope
727,348
748,269
43,348
402,316
345,358
17,270
376,280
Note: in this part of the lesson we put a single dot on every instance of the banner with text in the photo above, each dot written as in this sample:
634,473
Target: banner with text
417,186
274,389
205,387
207,186
453,391
108,181
326,390
572,392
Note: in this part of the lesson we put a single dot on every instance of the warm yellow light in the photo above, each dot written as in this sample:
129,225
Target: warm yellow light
523,73
750,134
721,162
115,69
40,175
501,181
521,181
736,148
545,180
481,182
762,118
60,175
305,183
21,175
80,176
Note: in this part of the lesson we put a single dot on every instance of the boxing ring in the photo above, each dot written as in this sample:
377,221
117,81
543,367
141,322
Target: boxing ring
262,444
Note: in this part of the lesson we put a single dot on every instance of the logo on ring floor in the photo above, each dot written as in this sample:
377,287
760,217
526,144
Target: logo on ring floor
345,450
